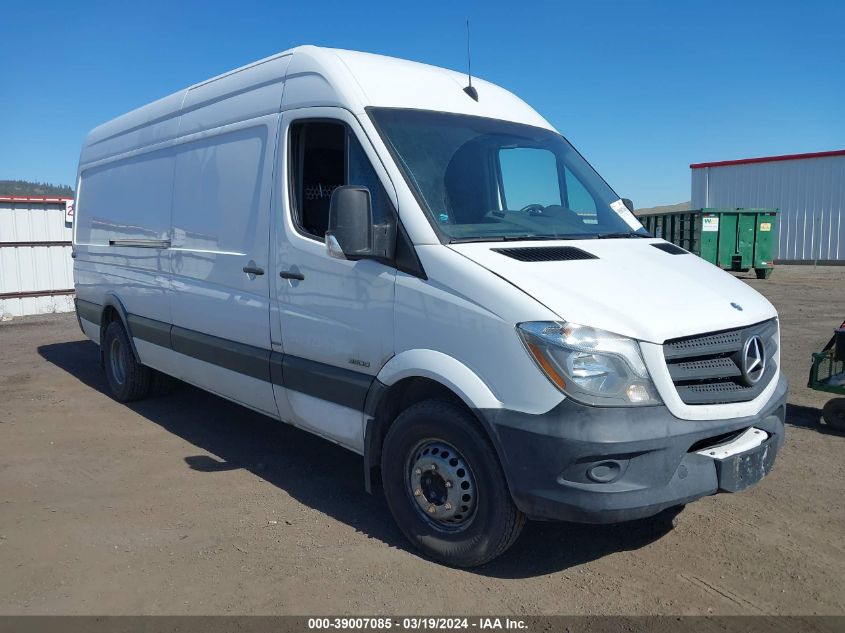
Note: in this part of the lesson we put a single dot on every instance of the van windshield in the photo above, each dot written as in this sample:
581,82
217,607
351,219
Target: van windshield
484,179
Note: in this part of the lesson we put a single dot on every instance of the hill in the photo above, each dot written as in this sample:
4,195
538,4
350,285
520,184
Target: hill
669,208
27,188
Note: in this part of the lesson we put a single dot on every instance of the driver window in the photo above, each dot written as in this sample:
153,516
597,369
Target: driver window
324,155
528,176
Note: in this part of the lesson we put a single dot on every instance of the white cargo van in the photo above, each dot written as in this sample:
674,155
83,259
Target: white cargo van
431,277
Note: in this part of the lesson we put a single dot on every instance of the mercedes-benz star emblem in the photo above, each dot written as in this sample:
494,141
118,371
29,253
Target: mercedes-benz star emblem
753,360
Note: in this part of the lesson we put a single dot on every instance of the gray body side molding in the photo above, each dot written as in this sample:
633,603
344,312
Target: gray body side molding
342,386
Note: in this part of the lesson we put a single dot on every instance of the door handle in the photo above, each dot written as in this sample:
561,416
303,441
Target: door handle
286,274
253,270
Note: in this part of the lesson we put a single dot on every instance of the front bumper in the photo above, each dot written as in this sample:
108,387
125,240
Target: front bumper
607,465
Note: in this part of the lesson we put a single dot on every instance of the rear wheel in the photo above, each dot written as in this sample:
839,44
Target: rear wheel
834,414
128,379
445,487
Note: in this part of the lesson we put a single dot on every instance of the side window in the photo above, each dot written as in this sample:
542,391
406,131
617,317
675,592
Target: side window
325,155
318,166
579,199
529,176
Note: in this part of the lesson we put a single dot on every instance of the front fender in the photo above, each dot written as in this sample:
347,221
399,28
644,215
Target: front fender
419,363
442,368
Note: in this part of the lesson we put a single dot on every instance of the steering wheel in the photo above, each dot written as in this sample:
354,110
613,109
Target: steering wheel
528,209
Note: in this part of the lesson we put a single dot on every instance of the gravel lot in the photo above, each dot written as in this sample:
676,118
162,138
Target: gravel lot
188,504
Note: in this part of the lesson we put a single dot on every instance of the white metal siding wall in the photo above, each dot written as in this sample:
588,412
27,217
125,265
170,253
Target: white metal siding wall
810,193
43,273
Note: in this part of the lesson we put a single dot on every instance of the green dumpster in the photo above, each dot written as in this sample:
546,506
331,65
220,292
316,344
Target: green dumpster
733,239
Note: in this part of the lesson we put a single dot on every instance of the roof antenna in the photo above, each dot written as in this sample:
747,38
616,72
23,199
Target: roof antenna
472,92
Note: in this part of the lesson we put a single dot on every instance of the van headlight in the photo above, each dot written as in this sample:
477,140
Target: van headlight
590,365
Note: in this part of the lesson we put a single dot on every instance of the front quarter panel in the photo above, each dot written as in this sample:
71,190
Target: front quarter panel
464,316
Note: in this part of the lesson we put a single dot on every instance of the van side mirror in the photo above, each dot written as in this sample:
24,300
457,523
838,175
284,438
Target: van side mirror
628,203
350,228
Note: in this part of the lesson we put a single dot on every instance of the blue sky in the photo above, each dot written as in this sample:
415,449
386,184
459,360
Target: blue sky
641,88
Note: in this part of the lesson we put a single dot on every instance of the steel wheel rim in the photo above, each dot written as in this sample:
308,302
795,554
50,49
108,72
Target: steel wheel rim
441,485
117,359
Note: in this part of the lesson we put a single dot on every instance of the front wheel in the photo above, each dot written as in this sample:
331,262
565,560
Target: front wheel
445,487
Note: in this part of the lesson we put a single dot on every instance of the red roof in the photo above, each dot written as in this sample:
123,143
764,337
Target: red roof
768,159
33,199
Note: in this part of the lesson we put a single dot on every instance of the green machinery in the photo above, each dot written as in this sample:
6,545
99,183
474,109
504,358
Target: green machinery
827,373
733,239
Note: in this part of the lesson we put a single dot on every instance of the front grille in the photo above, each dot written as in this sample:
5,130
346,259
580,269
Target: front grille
707,369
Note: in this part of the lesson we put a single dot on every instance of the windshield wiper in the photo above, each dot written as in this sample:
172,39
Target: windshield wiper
517,238
477,238
623,234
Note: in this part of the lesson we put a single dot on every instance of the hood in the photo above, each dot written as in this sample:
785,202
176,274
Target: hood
630,287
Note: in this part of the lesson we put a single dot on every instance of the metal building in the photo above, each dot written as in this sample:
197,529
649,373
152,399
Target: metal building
36,273
809,190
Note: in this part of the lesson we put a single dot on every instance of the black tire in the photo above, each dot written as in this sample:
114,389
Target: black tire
834,414
128,379
495,522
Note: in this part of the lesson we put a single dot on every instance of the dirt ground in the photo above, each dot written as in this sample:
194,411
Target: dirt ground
188,504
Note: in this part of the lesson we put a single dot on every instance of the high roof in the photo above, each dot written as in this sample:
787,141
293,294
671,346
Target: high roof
399,83
302,77
768,159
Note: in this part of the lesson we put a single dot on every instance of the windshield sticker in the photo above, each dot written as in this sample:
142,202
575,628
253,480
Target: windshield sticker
623,212
709,224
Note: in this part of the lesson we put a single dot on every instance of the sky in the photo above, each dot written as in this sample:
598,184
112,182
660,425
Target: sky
642,89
